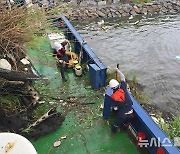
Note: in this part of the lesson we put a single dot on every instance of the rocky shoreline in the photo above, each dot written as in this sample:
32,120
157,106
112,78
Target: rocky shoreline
92,9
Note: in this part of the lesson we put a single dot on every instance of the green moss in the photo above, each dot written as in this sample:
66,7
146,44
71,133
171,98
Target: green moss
11,103
41,110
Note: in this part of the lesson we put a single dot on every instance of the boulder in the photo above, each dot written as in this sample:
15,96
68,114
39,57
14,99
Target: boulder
118,14
101,3
144,11
101,14
136,9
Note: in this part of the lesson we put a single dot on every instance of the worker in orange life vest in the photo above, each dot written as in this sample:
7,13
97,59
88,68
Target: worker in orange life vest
121,100
61,57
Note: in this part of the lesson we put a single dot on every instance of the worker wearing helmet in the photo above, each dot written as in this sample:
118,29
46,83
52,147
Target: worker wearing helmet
61,57
121,100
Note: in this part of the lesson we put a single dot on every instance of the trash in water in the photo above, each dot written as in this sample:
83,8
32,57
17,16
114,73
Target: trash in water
178,57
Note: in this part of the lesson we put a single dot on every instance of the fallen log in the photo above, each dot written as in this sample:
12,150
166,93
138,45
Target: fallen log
47,115
18,76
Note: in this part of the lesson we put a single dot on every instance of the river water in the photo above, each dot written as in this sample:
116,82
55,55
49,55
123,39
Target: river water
145,47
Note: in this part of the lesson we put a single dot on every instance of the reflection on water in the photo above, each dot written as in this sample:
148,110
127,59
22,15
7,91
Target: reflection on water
143,46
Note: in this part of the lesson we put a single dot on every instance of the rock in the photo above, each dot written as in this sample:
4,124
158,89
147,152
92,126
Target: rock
178,3
136,9
164,10
118,14
91,3
83,4
101,8
121,11
125,14
115,1
127,8
109,15
4,64
100,14
101,3
112,10
133,13
150,9
114,14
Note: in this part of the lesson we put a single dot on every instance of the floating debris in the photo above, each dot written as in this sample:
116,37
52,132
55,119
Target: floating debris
100,22
178,57
137,22
131,17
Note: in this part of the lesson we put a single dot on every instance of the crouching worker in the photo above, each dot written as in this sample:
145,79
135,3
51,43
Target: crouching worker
117,96
61,57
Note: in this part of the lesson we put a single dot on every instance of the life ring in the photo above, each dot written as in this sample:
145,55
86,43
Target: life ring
73,58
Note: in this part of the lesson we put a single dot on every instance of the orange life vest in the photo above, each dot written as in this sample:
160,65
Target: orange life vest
119,95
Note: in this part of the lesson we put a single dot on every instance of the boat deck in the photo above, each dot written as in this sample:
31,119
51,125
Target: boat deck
84,130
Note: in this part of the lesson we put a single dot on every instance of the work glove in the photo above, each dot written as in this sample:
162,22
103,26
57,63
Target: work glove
117,69
60,61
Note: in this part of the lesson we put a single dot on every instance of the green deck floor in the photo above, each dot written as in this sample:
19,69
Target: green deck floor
85,130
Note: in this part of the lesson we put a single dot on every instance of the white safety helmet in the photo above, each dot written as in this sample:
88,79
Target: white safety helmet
57,46
113,83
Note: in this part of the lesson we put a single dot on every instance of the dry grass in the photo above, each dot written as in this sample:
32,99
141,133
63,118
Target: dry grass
16,28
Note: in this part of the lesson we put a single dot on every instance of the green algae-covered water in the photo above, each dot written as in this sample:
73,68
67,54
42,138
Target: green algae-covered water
84,131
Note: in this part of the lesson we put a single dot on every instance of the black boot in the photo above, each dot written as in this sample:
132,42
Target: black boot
64,79
114,128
